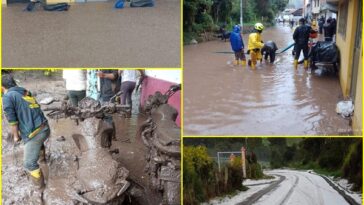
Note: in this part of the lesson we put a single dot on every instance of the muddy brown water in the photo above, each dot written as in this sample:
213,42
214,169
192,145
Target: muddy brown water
222,99
92,34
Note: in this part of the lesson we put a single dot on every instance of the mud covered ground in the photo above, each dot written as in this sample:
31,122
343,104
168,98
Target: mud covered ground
62,154
275,99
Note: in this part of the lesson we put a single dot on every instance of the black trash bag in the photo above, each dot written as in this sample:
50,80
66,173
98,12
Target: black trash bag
325,52
141,3
57,7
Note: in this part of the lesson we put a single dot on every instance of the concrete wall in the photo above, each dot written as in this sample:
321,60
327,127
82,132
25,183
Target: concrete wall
358,111
346,45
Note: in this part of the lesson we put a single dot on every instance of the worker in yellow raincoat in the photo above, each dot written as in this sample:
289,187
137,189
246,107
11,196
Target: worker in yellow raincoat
255,44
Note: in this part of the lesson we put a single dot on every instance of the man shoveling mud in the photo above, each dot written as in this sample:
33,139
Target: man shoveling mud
27,120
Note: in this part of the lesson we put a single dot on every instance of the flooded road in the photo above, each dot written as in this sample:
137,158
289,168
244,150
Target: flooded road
222,99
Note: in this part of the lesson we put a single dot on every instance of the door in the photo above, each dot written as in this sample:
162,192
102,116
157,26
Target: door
356,56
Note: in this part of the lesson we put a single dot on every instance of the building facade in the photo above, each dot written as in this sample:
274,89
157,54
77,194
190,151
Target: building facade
349,42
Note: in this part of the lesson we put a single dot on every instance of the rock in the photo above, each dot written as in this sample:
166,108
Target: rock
193,41
61,139
46,101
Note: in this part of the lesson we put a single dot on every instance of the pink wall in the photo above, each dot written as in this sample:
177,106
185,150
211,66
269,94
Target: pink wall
151,85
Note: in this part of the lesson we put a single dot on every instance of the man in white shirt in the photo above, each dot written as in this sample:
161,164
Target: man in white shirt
128,83
75,85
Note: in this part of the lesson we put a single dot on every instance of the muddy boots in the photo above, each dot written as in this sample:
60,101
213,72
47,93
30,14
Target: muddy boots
243,62
305,64
295,64
37,179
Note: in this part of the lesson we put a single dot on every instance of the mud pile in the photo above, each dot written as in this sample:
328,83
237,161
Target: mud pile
80,168
161,135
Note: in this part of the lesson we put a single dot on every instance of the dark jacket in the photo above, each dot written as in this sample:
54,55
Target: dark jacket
21,108
236,40
302,34
106,86
329,29
269,47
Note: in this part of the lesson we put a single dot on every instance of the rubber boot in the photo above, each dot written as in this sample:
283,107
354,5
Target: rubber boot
305,64
295,64
243,63
236,62
37,180
253,66
253,57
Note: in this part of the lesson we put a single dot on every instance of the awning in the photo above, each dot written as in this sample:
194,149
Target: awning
329,7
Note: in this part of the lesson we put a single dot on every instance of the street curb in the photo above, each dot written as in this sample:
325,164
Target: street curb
348,198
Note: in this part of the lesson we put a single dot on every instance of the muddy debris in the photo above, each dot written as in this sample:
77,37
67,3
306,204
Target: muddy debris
161,135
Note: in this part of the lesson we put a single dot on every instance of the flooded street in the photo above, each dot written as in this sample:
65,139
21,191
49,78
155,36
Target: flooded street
222,99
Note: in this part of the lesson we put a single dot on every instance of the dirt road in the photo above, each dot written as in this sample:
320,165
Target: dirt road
222,99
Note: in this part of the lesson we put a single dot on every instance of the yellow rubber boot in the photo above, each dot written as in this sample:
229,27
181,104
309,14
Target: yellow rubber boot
243,63
37,178
253,66
305,64
295,64
236,62
253,57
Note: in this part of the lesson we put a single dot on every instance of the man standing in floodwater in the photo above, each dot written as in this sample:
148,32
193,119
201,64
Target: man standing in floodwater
237,44
255,43
28,124
301,36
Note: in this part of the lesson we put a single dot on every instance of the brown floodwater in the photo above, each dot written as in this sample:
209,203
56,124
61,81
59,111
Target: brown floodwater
274,99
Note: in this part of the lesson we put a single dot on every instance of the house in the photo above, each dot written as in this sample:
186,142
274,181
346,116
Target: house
349,42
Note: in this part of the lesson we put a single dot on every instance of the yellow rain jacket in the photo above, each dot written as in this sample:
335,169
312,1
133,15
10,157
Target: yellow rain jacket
255,41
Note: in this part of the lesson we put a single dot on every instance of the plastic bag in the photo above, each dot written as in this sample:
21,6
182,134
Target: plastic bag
345,108
325,51
119,4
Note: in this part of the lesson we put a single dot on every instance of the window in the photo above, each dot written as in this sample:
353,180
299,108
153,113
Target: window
343,18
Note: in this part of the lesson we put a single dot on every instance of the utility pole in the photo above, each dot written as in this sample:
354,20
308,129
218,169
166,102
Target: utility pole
241,15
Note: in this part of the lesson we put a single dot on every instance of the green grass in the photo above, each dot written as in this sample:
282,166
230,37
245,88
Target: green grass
315,167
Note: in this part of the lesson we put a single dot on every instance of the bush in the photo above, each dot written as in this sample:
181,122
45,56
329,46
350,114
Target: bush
351,169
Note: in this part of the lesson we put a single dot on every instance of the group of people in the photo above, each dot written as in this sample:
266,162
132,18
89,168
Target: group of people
256,46
302,33
29,124
99,84
329,27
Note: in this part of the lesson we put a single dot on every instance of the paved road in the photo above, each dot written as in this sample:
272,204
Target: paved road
299,188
